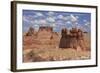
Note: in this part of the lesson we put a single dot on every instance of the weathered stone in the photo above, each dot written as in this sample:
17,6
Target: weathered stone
30,31
73,34
80,39
65,39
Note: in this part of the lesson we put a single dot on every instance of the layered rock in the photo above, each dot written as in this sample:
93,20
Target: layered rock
45,37
73,39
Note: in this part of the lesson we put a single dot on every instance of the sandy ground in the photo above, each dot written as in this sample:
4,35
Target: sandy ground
58,54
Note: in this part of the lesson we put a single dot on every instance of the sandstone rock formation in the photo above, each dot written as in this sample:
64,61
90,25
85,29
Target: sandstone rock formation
30,31
45,37
65,39
80,39
74,39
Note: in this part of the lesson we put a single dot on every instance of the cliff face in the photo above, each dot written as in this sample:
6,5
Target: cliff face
45,33
74,39
43,38
46,28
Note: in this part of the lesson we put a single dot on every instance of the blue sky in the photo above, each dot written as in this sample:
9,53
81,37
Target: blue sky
56,19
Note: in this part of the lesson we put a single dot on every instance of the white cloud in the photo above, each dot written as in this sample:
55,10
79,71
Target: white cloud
42,21
27,20
73,18
30,17
35,16
60,17
60,22
35,22
68,22
39,22
50,19
66,18
50,13
84,20
87,24
77,17
39,14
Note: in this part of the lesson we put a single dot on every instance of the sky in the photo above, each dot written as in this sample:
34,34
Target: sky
56,19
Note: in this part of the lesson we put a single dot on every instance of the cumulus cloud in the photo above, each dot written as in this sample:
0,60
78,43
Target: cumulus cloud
68,22
30,17
66,18
42,21
35,22
50,19
87,25
39,21
84,20
60,17
60,22
27,20
73,18
39,14
50,13
77,17
55,19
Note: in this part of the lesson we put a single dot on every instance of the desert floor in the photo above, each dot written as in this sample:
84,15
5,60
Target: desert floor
58,54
